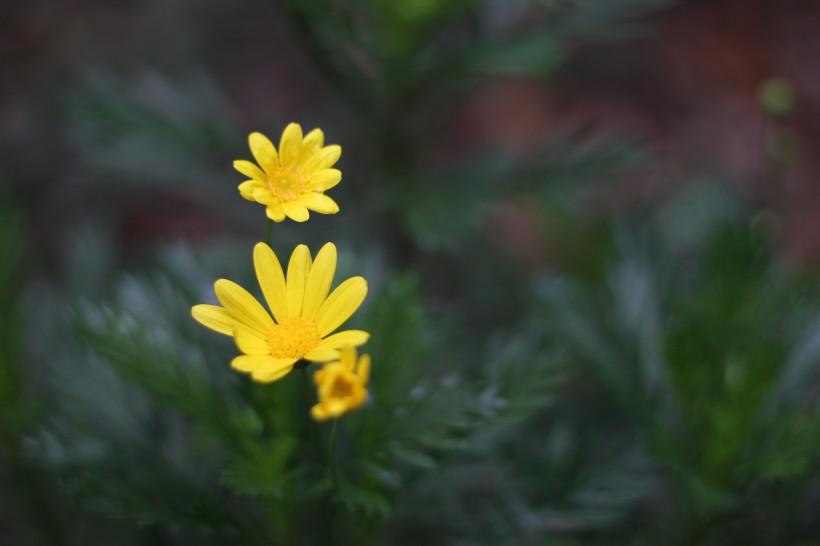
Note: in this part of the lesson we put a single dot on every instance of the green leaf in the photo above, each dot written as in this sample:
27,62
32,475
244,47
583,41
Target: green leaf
147,490
263,470
370,503
412,457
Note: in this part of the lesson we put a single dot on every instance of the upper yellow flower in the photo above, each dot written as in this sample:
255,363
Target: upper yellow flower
342,385
293,180
304,315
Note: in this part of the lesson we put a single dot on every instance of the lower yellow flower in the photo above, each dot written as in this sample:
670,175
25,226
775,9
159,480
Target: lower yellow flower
304,315
342,385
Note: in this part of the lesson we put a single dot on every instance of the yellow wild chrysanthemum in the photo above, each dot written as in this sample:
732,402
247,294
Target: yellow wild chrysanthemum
304,315
293,180
342,385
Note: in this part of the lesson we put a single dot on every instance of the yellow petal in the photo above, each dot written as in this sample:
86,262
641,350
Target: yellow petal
275,212
323,159
248,363
249,341
359,398
246,189
291,145
263,195
319,202
318,413
348,359
298,271
263,368
271,280
318,377
363,369
324,179
214,317
249,169
264,152
342,303
268,375
319,280
295,211
242,306
313,142
352,338
322,354
335,407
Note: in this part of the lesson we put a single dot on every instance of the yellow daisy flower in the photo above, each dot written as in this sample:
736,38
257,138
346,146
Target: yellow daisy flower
304,315
293,180
342,385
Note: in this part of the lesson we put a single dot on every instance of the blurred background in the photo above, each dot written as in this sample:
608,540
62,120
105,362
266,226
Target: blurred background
591,230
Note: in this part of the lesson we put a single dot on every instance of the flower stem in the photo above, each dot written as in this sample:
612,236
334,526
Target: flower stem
268,227
333,472
305,385
315,436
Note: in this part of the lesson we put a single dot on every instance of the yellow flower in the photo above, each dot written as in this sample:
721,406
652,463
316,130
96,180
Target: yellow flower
342,385
294,179
304,315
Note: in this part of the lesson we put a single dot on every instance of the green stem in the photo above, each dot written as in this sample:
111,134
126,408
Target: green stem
329,502
314,430
334,474
268,227
306,385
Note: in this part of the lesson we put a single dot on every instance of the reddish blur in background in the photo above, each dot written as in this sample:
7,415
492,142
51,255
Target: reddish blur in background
687,84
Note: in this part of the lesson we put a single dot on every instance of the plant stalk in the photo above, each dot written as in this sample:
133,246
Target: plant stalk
334,474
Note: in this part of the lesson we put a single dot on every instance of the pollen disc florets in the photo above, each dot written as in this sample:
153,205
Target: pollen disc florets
342,387
293,338
286,185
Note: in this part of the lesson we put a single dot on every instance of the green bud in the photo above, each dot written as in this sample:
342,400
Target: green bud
776,97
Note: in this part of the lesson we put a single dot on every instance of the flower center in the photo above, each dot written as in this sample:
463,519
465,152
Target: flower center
293,338
342,387
286,184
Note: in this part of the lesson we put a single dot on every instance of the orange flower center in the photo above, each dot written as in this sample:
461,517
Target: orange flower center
286,184
294,337
342,387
